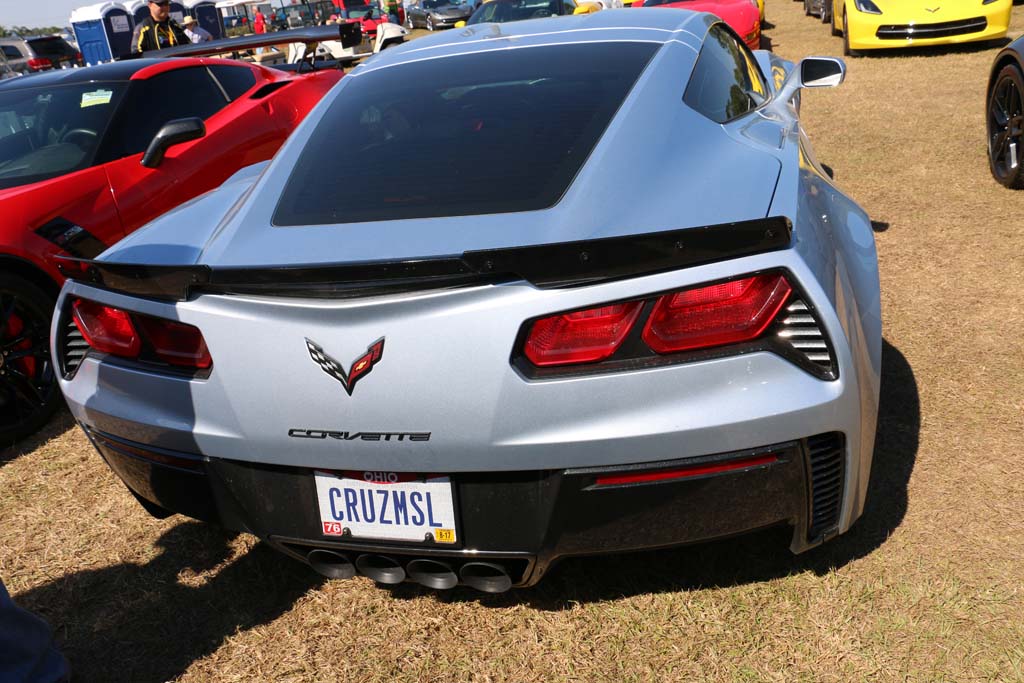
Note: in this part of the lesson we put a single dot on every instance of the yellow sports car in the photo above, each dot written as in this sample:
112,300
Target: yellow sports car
876,24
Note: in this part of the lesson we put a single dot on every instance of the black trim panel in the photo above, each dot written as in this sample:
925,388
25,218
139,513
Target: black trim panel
565,264
74,239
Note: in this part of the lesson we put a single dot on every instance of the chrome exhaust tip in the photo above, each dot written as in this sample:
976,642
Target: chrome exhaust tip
331,564
486,577
380,568
432,574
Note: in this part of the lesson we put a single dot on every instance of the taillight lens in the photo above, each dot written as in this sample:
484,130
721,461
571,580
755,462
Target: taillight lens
107,329
725,313
581,336
176,343
133,335
38,64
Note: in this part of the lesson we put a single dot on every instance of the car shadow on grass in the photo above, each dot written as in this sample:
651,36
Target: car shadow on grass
934,50
751,558
142,623
58,424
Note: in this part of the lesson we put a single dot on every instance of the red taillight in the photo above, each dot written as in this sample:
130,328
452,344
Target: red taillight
581,336
725,313
107,329
176,343
111,330
38,64
686,472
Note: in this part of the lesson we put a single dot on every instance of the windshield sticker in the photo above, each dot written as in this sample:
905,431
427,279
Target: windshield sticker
91,99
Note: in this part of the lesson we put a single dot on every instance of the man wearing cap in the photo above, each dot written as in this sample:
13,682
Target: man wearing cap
158,30
195,32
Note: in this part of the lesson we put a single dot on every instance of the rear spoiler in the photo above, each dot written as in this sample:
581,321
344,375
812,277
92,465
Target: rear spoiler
546,266
350,35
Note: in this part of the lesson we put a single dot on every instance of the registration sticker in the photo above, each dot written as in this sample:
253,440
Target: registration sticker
386,506
91,99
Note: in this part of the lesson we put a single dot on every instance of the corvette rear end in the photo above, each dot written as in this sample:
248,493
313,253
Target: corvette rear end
467,385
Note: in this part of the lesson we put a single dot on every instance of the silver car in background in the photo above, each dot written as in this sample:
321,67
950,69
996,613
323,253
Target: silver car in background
591,293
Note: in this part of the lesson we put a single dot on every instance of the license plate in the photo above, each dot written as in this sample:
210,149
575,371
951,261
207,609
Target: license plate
386,506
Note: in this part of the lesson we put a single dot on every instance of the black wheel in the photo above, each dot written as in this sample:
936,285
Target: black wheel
846,39
28,385
832,20
430,23
1005,119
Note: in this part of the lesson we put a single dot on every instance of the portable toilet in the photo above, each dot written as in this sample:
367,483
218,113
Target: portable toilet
138,9
177,11
205,13
103,32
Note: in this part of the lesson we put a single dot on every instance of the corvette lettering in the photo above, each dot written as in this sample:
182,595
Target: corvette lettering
358,436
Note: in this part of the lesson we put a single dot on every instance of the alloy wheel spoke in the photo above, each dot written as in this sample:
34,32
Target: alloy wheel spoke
26,387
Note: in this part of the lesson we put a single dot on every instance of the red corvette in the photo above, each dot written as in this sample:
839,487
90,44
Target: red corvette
742,16
89,155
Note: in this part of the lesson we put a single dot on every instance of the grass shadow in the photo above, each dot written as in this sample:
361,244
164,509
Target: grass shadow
58,424
139,623
934,50
751,558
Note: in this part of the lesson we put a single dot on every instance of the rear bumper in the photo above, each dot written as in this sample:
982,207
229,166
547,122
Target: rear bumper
525,521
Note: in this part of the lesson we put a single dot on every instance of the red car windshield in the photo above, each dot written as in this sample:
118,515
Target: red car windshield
47,132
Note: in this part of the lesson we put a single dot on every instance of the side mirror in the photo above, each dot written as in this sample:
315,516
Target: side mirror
350,34
821,72
812,72
172,133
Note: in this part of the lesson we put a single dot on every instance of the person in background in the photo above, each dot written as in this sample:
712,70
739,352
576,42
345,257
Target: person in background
158,30
27,651
195,32
259,22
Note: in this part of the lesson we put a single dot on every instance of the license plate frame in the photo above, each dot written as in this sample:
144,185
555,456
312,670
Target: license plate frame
435,506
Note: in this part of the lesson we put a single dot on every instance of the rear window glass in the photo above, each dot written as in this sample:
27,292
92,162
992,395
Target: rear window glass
51,47
489,132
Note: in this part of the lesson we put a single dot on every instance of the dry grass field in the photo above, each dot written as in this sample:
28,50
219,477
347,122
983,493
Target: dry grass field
928,586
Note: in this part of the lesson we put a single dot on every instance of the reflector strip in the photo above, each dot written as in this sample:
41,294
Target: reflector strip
686,472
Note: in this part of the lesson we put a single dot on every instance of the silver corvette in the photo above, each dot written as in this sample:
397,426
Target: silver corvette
589,292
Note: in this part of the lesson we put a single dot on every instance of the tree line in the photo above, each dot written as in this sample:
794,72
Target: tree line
6,31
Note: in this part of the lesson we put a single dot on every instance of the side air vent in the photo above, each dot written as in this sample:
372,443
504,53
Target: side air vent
825,454
268,89
799,332
72,348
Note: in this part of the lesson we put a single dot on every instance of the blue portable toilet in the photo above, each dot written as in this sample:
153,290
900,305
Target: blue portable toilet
103,32
205,13
177,11
139,9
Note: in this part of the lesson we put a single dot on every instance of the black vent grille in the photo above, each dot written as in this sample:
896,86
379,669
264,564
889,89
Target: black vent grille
939,30
826,455
799,331
72,348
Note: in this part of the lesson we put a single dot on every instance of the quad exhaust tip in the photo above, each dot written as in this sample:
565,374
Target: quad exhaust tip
380,568
331,564
432,574
486,577
483,576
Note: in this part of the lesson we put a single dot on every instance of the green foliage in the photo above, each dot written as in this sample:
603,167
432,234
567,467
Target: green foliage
6,31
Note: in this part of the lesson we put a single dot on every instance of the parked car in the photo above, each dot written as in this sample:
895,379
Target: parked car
874,24
1004,115
503,11
466,375
743,16
434,14
89,155
38,53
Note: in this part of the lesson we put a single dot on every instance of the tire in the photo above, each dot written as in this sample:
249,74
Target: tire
846,39
408,21
29,394
1004,118
430,23
826,12
807,8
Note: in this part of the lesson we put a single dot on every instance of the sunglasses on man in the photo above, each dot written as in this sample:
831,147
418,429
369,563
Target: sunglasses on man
161,3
